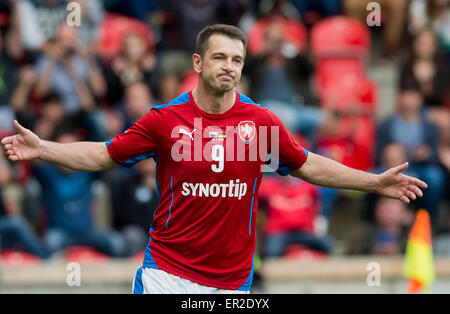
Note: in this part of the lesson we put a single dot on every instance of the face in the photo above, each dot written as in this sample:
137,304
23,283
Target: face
221,66
409,101
138,100
67,36
389,213
134,47
425,45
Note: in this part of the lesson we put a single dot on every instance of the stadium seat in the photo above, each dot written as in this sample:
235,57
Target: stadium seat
350,90
340,37
189,81
331,70
85,254
112,31
15,257
295,33
356,98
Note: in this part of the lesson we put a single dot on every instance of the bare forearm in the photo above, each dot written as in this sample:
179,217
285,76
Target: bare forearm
96,80
87,102
84,156
43,84
326,172
19,97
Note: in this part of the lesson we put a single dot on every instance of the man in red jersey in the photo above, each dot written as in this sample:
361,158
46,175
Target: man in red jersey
211,146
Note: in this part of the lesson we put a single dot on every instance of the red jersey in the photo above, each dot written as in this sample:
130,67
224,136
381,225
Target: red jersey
208,178
291,205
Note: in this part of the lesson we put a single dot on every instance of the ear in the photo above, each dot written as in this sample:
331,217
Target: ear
197,62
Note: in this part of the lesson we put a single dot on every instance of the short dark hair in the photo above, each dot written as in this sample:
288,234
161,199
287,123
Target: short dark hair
409,83
52,97
222,29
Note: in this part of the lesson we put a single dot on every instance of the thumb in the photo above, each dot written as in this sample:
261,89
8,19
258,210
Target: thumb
20,129
400,168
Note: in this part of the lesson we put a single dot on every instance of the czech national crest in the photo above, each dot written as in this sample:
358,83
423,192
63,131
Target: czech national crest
247,131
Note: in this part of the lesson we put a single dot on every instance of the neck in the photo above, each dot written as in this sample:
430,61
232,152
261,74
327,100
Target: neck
211,102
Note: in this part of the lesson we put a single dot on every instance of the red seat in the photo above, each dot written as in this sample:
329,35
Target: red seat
348,91
294,33
356,97
15,257
331,70
85,254
188,82
340,36
360,154
113,29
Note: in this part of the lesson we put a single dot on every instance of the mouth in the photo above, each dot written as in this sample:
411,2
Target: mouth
226,76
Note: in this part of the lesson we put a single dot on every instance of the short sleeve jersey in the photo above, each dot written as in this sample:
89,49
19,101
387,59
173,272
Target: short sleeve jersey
209,169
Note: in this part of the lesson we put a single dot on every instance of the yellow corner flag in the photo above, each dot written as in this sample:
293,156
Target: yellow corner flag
419,265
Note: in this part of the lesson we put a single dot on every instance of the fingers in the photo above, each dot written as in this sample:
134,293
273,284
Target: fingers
400,168
416,190
410,195
404,199
20,129
418,182
7,140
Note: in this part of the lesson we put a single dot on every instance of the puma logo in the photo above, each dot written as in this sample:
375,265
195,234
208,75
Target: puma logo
183,131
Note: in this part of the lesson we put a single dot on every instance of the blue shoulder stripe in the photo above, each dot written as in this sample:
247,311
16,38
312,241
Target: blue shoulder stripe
247,100
182,99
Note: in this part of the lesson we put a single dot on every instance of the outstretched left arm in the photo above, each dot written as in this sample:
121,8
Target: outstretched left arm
392,183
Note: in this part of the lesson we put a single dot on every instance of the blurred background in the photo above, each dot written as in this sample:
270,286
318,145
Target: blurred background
368,97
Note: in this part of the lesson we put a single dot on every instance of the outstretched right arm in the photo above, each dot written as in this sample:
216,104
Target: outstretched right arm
84,156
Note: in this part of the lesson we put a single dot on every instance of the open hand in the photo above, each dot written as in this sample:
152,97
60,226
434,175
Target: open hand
22,146
392,183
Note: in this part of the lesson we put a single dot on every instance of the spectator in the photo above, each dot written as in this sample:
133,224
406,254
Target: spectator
8,79
184,21
292,208
138,101
51,116
134,206
134,64
189,17
133,8
92,14
322,8
38,22
280,78
387,235
425,66
434,14
22,95
286,71
409,127
71,71
68,199
394,22
40,19
333,141
15,232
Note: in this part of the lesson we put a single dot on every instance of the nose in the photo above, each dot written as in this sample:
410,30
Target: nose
227,66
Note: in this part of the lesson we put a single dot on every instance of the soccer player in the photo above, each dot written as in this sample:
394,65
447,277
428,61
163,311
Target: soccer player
202,239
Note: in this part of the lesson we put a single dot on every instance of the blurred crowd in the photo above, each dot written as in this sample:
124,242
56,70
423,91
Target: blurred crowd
307,62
